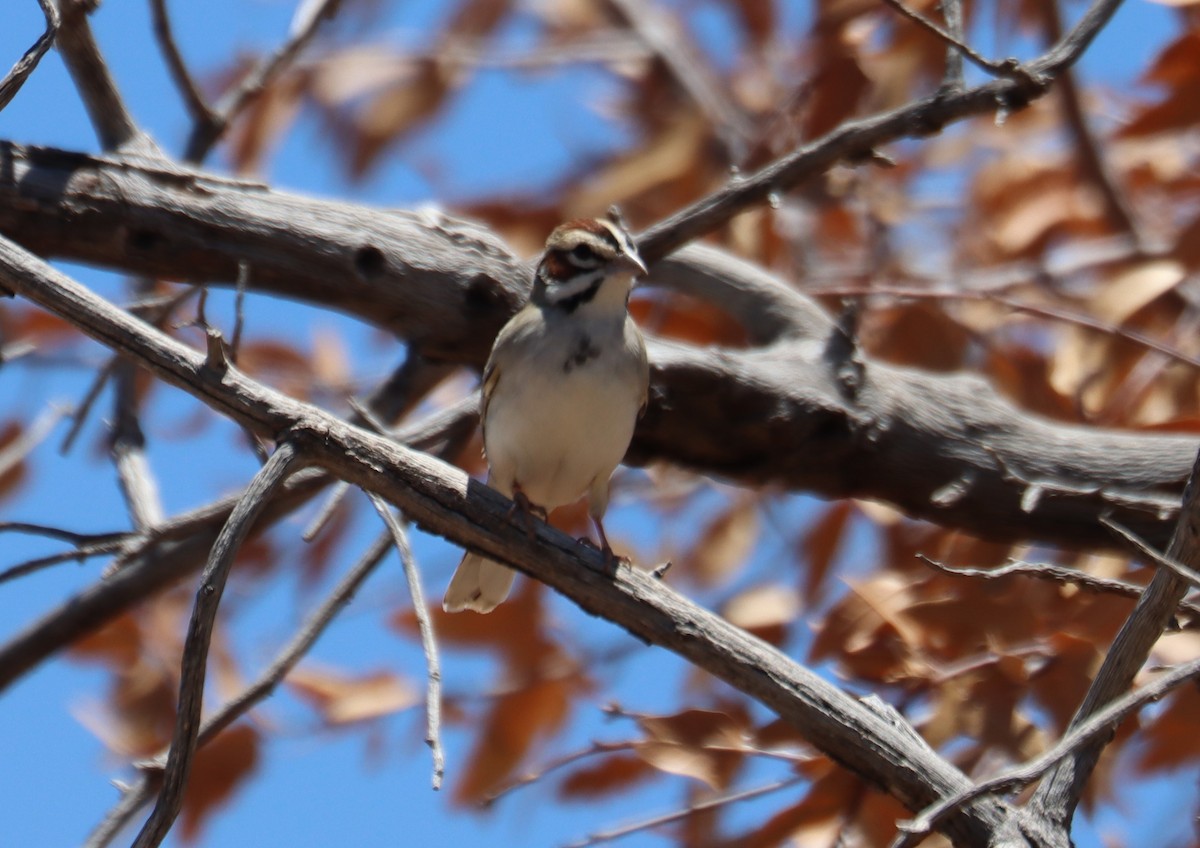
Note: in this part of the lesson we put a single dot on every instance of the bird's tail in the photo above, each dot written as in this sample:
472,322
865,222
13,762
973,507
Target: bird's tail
478,584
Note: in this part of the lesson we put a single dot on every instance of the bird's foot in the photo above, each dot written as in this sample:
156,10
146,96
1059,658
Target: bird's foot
612,560
525,510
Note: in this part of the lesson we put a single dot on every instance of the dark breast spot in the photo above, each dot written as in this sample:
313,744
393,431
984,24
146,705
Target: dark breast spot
582,352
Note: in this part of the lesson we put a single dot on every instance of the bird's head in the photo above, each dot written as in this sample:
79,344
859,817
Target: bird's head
589,261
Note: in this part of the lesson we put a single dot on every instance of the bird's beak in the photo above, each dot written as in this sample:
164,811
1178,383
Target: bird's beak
634,263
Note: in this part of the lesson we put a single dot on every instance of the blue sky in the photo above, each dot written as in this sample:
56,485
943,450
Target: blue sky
321,787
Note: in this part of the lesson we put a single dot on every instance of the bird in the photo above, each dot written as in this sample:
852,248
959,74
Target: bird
564,385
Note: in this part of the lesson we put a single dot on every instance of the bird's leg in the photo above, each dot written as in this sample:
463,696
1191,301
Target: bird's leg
611,560
526,509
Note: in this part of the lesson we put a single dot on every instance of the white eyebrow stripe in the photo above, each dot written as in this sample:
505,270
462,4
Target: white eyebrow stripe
574,286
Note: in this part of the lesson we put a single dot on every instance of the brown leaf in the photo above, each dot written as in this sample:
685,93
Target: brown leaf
279,363
1129,289
869,631
687,319
757,18
686,744
16,471
217,770
918,334
344,700
516,720
613,773
820,545
765,611
724,544
514,630
837,86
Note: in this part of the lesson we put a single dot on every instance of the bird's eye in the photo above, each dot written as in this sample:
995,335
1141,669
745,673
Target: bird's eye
584,253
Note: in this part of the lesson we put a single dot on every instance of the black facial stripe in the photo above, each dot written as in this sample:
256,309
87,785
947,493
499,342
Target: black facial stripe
570,304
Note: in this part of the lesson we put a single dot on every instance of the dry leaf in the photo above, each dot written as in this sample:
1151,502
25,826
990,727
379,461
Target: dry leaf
217,770
1130,289
765,611
613,773
344,700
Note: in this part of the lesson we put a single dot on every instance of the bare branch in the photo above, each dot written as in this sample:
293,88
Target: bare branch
1094,729
442,499
855,140
181,545
952,11
196,105
84,551
1057,797
15,78
690,809
661,36
86,545
195,651
135,797
1183,572
1050,312
433,669
112,121
311,14
1095,168
1007,67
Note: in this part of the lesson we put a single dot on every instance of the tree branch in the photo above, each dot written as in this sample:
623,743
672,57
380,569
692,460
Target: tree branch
207,131
1090,731
780,414
195,650
443,500
1057,797
433,693
15,78
137,796
179,546
114,125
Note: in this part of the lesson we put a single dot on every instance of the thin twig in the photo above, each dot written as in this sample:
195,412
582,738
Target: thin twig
1054,574
854,141
205,134
651,24
195,652
1057,796
81,553
137,796
433,692
16,451
154,310
711,803
127,440
1098,725
1095,168
1049,312
593,750
196,105
239,310
952,11
15,78
1005,68
1147,550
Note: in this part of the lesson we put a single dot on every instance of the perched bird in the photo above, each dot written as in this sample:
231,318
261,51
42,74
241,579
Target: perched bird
562,390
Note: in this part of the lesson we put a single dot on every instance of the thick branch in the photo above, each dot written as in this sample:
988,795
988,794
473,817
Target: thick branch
443,500
807,412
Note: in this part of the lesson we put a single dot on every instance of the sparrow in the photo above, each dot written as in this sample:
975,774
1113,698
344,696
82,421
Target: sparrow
565,383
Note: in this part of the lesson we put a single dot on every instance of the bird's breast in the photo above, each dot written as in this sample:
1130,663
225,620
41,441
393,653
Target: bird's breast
561,416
